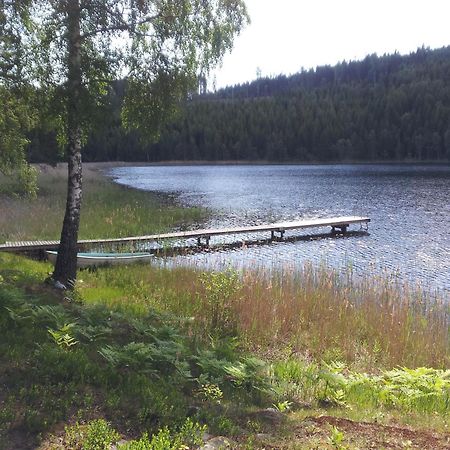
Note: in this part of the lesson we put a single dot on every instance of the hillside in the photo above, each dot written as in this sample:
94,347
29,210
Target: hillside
383,108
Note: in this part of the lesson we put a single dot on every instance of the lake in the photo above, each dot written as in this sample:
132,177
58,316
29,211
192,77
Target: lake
409,206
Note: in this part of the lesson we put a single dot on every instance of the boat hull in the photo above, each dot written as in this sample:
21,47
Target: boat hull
105,259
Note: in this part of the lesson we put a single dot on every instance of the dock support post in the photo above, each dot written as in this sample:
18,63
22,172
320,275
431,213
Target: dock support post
199,240
272,234
342,228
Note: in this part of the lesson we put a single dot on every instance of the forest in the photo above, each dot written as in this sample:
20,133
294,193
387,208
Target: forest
383,108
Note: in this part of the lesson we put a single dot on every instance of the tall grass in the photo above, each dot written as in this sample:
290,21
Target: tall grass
374,321
313,312
108,210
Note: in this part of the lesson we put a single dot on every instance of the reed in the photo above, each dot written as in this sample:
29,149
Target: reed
373,322
319,313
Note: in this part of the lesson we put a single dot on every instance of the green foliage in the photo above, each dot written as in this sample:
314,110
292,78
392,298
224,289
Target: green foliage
68,366
188,435
223,425
337,438
17,113
16,118
52,315
421,389
210,392
164,46
21,181
145,358
215,301
358,110
283,406
246,374
95,435
165,354
295,378
27,181
62,336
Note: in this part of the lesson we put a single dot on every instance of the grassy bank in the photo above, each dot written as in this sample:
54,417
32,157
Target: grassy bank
108,210
138,349
156,356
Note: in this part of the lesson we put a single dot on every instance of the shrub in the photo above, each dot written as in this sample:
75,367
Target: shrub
96,435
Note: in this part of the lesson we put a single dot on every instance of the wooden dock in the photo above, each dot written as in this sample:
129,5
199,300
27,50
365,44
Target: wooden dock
277,231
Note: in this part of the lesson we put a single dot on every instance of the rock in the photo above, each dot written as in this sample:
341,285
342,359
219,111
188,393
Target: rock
206,436
118,444
219,443
262,436
59,285
270,415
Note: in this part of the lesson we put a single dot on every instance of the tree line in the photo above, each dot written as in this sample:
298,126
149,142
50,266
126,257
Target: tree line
383,108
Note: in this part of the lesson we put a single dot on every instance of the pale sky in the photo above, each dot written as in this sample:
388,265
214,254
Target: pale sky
286,35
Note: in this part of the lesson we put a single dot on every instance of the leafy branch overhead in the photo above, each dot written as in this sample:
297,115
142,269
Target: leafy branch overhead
160,47
69,52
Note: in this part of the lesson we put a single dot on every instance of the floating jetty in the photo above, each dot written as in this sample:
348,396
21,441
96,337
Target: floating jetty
276,230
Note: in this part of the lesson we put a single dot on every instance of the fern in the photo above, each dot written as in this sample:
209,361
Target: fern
62,336
50,315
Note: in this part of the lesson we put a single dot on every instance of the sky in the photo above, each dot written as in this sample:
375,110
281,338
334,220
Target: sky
286,35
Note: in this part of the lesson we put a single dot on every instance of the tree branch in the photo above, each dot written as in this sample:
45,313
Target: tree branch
126,26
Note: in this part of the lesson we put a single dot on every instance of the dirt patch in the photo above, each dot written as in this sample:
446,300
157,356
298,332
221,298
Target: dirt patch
328,432
377,436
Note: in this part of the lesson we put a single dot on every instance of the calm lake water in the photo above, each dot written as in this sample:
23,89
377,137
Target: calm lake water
409,207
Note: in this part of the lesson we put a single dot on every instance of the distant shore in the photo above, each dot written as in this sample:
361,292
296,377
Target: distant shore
110,164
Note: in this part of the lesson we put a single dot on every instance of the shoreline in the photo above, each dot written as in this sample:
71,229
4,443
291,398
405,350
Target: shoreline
110,164
420,276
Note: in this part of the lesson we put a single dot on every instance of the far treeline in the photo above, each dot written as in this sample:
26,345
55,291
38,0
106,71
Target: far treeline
383,108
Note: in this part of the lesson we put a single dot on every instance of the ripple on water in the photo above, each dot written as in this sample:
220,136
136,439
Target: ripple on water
409,206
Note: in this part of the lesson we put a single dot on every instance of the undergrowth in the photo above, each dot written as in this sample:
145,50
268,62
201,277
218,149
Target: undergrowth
61,358
144,357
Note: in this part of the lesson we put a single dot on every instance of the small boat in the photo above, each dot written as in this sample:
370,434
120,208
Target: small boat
93,259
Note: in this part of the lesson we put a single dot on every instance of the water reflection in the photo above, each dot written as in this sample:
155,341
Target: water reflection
409,207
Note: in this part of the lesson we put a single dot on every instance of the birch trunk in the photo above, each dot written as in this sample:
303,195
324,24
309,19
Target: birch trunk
66,262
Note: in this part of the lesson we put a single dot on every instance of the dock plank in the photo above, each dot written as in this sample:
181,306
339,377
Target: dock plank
201,233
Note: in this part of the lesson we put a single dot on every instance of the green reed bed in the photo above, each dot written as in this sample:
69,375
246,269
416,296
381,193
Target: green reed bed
370,323
108,210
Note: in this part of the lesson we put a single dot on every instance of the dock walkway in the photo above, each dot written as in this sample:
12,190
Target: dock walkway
277,230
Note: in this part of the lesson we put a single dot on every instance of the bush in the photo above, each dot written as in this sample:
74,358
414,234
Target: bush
96,435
